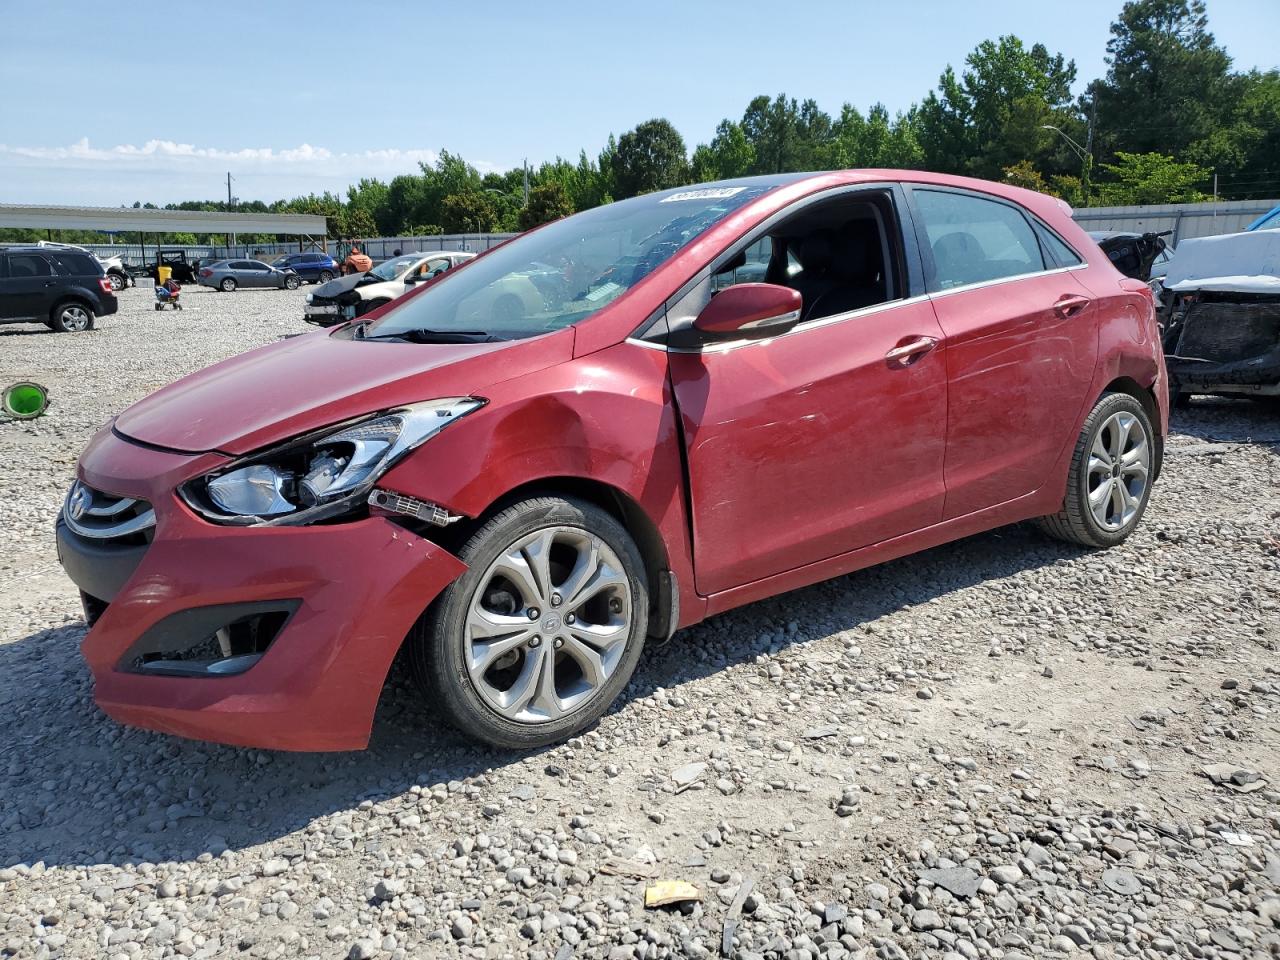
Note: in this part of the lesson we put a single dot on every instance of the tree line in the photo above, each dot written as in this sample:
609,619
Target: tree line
1168,117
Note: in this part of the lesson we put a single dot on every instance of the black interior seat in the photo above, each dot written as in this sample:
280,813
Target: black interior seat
857,269
816,253
958,257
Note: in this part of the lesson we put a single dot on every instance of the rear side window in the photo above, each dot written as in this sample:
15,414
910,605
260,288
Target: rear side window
23,265
76,264
241,265
1056,249
973,239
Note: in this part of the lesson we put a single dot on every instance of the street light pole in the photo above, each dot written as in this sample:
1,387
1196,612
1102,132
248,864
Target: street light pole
1084,153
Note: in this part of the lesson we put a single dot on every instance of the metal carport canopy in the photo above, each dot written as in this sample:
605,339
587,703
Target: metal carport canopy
120,219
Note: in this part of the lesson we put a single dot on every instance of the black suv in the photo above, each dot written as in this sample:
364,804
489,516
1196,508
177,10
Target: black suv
63,289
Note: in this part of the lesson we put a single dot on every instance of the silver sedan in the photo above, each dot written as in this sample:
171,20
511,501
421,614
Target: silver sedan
227,275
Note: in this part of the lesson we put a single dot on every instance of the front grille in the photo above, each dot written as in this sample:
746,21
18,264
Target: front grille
100,516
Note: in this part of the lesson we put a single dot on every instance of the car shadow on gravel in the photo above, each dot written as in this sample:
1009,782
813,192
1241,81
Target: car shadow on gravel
77,788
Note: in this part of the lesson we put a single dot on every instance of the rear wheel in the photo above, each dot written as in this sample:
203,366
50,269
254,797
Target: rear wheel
1109,482
326,276
228,284
539,636
72,317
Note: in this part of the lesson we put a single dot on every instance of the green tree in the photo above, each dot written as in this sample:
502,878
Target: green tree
650,157
993,115
468,211
1023,174
874,140
547,202
1151,178
727,156
1167,85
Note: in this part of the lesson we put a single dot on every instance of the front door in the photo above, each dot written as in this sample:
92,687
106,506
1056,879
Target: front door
819,441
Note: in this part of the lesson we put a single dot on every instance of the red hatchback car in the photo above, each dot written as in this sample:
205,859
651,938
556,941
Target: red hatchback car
602,431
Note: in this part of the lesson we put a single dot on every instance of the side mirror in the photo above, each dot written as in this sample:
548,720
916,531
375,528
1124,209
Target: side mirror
754,310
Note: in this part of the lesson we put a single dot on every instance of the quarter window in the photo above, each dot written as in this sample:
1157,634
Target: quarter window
1057,249
973,239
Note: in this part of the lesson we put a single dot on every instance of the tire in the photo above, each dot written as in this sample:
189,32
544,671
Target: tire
1107,494
228,284
292,283
74,316
159,306
612,601
325,276
117,282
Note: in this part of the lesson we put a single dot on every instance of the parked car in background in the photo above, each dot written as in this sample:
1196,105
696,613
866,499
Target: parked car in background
1221,316
229,275
312,266
62,288
116,271
344,298
180,267
518,497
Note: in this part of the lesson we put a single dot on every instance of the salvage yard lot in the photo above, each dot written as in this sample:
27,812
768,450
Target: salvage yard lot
993,748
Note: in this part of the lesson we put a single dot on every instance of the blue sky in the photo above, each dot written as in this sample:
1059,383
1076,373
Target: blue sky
307,96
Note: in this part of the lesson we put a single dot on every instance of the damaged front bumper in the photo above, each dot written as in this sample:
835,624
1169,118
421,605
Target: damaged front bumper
272,637
1223,343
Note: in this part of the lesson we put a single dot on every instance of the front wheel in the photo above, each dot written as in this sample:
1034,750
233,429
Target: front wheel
228,284
292,283
539,636
117,282
1109,482
72,318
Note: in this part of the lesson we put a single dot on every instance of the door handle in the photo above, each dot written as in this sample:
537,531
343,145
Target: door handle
905,353
1071,304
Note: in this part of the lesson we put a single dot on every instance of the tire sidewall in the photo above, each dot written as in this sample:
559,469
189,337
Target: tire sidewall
1109,405
440,647
227,285
60,326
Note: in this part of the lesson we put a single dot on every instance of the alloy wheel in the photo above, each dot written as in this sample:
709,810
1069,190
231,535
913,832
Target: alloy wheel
548,625
75,319
1119,470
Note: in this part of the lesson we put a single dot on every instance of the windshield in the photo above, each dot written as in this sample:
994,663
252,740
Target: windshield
282,262
566,271
390,269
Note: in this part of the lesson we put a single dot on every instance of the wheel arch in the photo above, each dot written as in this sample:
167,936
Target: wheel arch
72,297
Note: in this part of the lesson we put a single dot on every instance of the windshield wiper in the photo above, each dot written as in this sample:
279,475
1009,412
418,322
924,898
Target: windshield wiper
423,335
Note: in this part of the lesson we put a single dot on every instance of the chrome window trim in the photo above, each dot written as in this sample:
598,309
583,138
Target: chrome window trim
999,280
724,346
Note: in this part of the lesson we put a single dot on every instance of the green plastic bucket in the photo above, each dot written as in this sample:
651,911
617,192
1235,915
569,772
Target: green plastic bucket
24,400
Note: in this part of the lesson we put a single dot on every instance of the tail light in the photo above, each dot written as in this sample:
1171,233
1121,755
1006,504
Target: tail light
206,273
105,284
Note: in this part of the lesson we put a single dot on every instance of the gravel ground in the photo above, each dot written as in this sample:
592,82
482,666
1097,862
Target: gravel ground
992,749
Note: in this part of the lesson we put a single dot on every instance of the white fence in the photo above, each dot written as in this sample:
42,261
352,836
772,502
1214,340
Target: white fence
1186,220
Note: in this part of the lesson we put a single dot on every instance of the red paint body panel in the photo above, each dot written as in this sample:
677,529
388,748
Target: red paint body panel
607,418
1019,380
316,379
317,686
805,446
757,468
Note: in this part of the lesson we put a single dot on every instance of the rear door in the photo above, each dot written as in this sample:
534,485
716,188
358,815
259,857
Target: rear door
28,290
818,441
1022,342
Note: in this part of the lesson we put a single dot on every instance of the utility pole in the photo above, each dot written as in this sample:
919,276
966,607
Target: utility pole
526,181
1087,171
230,206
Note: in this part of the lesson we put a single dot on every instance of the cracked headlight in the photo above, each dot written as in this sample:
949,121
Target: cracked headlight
322,475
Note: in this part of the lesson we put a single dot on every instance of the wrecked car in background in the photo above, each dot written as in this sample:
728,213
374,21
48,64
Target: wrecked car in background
1221,316
1142,256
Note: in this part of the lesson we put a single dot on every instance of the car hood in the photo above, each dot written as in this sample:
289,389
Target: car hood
331,288
311,381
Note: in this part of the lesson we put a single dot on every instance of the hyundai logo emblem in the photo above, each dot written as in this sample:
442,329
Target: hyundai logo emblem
79,501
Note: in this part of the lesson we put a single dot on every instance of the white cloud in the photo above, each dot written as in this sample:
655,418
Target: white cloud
175,157
164,171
